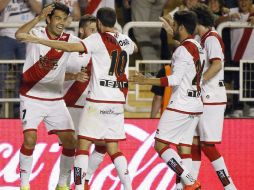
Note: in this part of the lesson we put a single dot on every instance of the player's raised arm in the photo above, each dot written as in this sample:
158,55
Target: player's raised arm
60,45
29,25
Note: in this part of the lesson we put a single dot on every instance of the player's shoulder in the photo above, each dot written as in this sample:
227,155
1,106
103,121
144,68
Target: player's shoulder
72,38
191,45
213,35
123,40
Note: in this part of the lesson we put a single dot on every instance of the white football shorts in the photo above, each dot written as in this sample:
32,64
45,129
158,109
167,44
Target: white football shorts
102,121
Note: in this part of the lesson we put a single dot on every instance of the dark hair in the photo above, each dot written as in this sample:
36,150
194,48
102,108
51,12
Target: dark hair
188,19
61,7
86,19
107,16
204,15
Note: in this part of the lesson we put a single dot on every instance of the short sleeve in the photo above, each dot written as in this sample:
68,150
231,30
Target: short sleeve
213,49
130,47
180,63
91,43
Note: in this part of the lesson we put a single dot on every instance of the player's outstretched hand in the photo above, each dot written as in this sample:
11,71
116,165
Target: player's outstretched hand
82,76
137,78
251,20
46,11
167,24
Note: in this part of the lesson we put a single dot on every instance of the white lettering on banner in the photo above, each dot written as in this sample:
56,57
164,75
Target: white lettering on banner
137,167
9,171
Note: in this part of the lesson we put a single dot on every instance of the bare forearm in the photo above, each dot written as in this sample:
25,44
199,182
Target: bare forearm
76,12
65,46
156,105
3,4
28,26
152,81
36,6
212,70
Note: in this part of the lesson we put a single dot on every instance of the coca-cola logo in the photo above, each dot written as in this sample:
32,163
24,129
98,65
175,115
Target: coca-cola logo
146,169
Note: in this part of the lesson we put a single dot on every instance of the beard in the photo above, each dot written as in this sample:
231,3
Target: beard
176,36
98,27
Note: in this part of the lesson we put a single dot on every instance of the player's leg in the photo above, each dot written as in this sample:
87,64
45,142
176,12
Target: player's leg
211,133
184,152
67,158
173,160
196,156
120,163
81,163
95,158
26,157
31,114
181,130
219,165
58,121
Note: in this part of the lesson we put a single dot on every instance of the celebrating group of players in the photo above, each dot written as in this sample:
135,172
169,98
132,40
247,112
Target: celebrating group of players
92,82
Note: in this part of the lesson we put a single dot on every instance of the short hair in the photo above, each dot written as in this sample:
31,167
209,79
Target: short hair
107,16
204,15
86,19
188,19
61,7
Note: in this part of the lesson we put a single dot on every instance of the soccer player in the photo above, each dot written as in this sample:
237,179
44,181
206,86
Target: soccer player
214,97
179,120
76,89
103,116
41,92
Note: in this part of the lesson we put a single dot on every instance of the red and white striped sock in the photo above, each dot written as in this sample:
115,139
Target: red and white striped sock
25,165
121,166
196,160
174,161
66,163
95,159
80,168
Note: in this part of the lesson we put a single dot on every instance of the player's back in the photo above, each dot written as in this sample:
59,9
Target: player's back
187,62
110,60
214,89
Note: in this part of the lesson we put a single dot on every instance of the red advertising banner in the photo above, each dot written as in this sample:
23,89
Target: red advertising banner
146,169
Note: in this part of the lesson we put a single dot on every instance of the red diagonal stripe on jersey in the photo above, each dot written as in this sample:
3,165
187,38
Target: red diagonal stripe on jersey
193,50
111,44
214,34
37,72
243,43
92,6
76,89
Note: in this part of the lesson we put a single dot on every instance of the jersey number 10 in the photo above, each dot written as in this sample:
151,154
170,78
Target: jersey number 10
118,63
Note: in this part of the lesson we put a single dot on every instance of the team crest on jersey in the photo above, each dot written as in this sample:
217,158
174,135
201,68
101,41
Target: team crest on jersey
116,35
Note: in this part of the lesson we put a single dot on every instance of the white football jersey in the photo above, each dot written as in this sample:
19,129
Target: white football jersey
110,60
187,61
17,12
242,39
44,68
75,92
213,91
